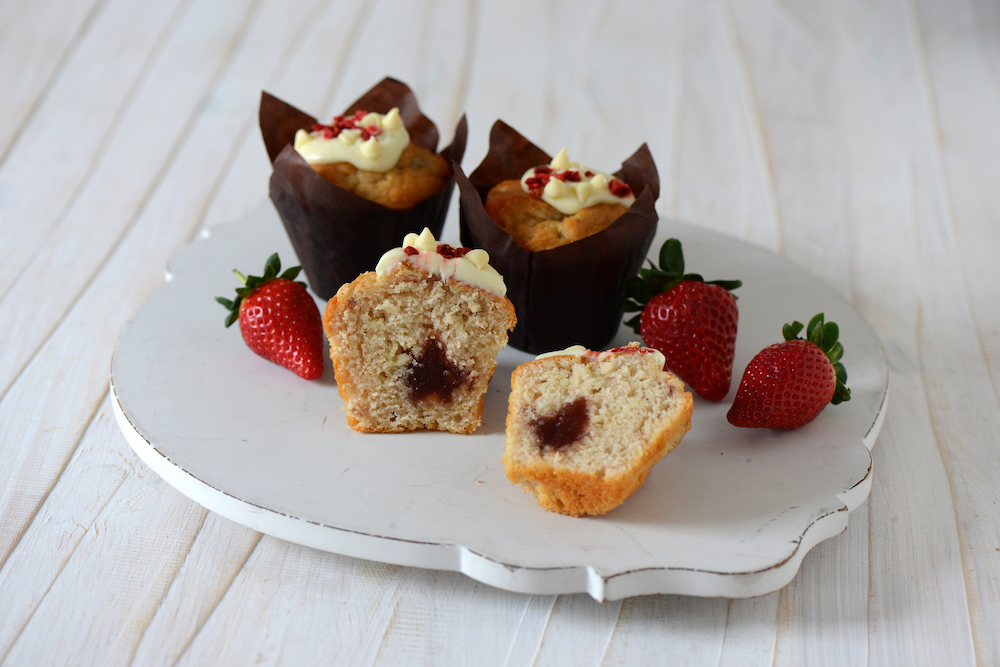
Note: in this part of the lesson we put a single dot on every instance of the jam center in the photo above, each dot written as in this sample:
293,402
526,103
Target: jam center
562,428
432,374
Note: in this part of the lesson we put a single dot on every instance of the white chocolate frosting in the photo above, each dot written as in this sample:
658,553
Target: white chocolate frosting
582,352
371,141
471,266
568,187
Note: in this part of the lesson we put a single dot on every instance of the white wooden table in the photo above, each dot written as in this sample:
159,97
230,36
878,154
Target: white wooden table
860,140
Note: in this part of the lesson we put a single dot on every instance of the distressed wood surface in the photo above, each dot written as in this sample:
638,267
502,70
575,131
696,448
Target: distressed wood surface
859,139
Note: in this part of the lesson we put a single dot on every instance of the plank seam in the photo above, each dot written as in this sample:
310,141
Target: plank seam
46,90
126,103
166,592
545,628
941,171
752,117
55,480
225,593
69,557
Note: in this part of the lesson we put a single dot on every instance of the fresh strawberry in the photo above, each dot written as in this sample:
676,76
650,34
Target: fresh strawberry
692,322
788,384
278,319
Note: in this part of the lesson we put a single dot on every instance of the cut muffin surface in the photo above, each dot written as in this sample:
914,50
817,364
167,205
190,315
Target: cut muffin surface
584,430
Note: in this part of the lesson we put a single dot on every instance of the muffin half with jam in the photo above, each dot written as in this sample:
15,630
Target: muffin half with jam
414,343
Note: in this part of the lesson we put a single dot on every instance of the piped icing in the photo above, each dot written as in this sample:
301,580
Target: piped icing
584,353
462,264
369,141
568,187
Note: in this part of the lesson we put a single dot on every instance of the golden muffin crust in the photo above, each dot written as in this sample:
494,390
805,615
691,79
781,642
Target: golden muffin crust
583,432
536,225
391,334
418,175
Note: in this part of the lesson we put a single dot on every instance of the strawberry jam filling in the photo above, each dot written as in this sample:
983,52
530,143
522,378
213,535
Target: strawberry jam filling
432,375
558,431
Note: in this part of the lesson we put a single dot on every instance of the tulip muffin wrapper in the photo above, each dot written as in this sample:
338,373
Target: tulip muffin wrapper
337,234
572,294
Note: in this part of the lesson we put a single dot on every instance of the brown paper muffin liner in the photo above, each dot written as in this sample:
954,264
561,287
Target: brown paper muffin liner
337,234
570,295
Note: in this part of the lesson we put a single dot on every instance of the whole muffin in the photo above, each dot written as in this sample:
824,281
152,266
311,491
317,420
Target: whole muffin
348,190
565,269
370,154
558,203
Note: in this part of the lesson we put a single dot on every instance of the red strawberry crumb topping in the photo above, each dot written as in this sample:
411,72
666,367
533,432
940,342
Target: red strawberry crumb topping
341,123
544,173
410,250
619,188
536,184
448,252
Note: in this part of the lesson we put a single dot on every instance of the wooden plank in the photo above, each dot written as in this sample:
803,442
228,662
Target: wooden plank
961,57
74,118
824,610
98,603
667,626
96,83
65,519
837,150
33,47
55,406
294,605
750,631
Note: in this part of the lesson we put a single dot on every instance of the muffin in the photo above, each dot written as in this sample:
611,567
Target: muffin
584,429
414,343
370,154
558,203
571,293
357,185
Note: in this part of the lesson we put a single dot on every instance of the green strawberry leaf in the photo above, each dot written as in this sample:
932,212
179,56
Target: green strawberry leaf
727,284
672,257
815,323
791,331
291,273
828,335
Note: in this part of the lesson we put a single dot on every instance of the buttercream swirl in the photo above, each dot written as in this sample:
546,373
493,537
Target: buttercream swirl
462,264
568,187
369,141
